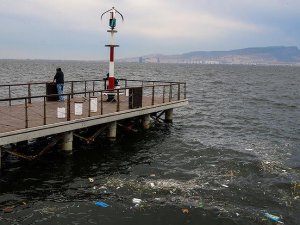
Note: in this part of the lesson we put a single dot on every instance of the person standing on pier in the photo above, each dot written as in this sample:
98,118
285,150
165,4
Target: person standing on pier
59,78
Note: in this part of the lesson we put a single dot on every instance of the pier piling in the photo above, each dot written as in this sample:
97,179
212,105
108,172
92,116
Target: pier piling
169,116
146,121
67,146
112,131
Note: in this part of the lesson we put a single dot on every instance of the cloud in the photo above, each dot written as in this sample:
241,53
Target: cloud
150,25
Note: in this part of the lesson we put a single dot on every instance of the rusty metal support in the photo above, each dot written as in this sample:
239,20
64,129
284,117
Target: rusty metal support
44,150
93,137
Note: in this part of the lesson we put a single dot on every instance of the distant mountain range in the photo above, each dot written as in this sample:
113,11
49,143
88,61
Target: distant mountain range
275,55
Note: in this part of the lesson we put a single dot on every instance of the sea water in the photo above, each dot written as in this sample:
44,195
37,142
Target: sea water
231,156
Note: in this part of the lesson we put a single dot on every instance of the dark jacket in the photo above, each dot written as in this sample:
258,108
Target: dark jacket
59,77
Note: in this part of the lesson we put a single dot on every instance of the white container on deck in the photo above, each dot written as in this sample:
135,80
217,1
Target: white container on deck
61,112
78,108
93,104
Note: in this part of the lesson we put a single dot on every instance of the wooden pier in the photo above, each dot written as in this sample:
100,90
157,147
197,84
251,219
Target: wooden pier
26,112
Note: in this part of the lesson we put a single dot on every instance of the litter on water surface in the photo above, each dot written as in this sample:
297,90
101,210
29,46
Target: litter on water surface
102,204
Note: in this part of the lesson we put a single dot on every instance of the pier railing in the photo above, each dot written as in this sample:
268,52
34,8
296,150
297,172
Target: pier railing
27,103
31,89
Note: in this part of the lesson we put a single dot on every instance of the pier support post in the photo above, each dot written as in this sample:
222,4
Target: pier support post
0,158
112,131
169,116
67,146
146,121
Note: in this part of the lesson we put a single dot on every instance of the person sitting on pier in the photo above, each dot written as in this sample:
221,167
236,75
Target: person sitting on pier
59,78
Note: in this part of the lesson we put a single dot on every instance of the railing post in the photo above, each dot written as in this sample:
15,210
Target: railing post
153,94
170,94
72,89
164,90
184,90
178,91
85,89
89,113
9,95
101,104
68,107
26,113
29,93
118,100
45,111
93,88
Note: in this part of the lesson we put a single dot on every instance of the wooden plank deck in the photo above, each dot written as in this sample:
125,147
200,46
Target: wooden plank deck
12,118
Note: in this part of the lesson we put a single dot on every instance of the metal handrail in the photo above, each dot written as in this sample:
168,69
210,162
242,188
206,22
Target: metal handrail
29,85
152,89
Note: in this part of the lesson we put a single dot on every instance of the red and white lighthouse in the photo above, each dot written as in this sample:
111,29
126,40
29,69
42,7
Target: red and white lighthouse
112,45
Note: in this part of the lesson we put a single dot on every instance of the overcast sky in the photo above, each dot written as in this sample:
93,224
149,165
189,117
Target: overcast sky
72,29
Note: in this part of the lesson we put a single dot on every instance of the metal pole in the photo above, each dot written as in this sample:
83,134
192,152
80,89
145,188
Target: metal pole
153,94
101,110
184,90
45,111
170,94
164,90
178,91
9,95
72,89
68,108
29,93
118,100
26,113
93,88
89,114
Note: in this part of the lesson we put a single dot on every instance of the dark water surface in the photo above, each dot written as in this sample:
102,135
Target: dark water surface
231,155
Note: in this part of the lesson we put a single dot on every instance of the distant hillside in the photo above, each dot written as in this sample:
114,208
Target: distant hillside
260,55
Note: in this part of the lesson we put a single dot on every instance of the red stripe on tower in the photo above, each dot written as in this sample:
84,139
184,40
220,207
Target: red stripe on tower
111,53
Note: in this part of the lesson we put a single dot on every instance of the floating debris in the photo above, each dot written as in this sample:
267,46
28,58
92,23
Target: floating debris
224,185
200,205
91,180
8,209
136,201
185,211
274,218
102,204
